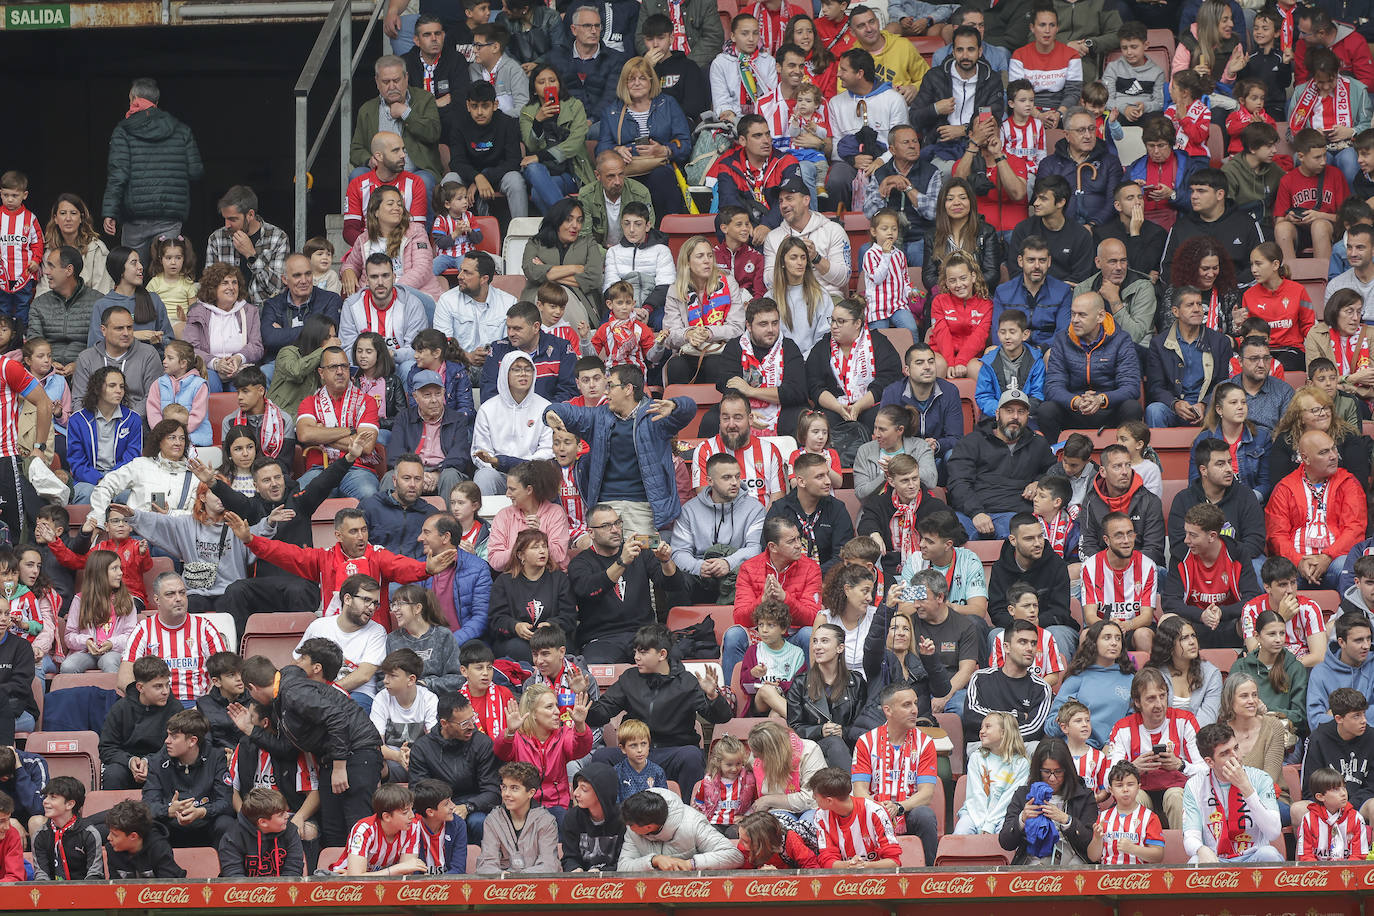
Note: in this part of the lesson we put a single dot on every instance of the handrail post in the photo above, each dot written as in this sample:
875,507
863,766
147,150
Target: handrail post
346,107
302,166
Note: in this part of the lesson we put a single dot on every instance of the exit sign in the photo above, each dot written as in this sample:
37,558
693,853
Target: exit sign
39,16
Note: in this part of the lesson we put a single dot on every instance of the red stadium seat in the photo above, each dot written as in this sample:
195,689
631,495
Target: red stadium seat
1327,599
102,679
722,615
221,406
510,283
69,754
1222,658
105,799
159,566
960,794
1174,853
331,854
967,388
1175,448
706,397
913,852
1171,489
275,635
679,227
851,502
900,338
491,234
963,851
606,675
473,853
954,728
199,861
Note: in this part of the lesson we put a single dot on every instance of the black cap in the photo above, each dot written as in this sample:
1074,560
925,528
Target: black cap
794,184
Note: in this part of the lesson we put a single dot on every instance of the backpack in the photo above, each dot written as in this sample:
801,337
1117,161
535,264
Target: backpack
713,138
804,831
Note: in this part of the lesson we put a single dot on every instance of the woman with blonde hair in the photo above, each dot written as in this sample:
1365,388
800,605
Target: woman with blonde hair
703,310
1259,736
649,131
995,771
1312,409
392,231
536,735
1213,49
804,305
783,765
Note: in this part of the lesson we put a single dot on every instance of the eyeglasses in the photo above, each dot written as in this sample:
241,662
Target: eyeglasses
618,523
334,367
1051,771
586,25
483,44
367,602
1317,411
469,722
1080,130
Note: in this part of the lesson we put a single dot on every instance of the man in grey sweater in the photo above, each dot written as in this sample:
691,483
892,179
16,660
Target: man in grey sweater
139,362
663,834
719,529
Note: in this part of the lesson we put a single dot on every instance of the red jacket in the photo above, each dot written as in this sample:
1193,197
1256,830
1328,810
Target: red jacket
1351,50
959,328
801,581
1286,514
11,857
330,568
745,264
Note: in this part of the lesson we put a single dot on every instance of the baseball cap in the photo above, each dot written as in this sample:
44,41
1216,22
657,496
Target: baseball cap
425,377
1009,396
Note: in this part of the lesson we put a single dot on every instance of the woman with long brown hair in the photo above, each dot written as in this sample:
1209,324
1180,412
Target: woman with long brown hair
102,619
1228,419
531,594
70,225
959,227
847,602
1194,684
804,304
821,63
1279,674
825,700
783,765
419,626
392,231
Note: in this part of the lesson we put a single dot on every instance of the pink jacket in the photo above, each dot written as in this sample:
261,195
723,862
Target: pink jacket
197,332
551,758
76,637
417,260
509,522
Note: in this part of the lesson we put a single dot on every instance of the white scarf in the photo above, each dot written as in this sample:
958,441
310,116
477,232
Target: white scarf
770,373
324,411
272,433
856,371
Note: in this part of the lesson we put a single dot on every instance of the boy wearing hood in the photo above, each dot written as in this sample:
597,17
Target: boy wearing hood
1345,743
1348,663
188,788
643,260
593,832
1358,599
136,846
509,429
263,842
718,530
663,834
1118,488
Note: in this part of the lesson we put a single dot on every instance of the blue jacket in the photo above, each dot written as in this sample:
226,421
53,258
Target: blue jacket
455,437
667,124
280,310
653,448
1333,673
1092,185
1253,456
1107,694
943,417
1184,168
202,435
471,595
457,390
989,388
82,446
455,846
1108,365
597,87
26,784
393,526
549,353
1047,317
1164,365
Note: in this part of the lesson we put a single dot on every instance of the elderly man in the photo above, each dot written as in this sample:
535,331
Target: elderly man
1092,374
138,361
882,109
62,315
587,68
474,312
284,314
152,161
994,470
603,200
439,435
463,590
181,640
1130,295
554,364
256,247
1091,169
827,245
394,311
388,168
1185,363
944,115
909,184
409,112
1267,396
1144,240
1317,513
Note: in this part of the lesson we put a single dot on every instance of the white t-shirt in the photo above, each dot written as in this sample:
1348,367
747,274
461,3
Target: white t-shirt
399,724
365,645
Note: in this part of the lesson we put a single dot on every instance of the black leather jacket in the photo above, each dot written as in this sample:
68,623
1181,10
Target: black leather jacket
989,254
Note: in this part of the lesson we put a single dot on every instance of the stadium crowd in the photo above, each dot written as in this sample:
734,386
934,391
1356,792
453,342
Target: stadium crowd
1135,653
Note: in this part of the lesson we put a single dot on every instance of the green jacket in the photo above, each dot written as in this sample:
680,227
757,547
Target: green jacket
1138,305
152,161
593,201
572,118
421,132
295,377
700,18
1293,704
1245,186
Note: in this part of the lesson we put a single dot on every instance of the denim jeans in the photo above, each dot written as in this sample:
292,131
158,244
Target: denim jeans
405,36
1001,523
443,262
1347,161
16,304
545,189
1162,415
357,483
78,662
808,177
217,384
736,642
902,318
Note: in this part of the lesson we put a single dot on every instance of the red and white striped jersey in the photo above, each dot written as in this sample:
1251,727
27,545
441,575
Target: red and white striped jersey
184,649
366,840
762,470
571,498
866,832
453,228
1120,595
1024,142
305,775
1092,765
15,382
1140,826
1047,657
727,810
893,772
21,244
894,291
1326,837
1130,738
564,331
409,184
1306,622
490,709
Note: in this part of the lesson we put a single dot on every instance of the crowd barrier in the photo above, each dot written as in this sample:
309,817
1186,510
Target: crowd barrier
1307,889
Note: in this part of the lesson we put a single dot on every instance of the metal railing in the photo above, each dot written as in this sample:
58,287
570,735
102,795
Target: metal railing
338,23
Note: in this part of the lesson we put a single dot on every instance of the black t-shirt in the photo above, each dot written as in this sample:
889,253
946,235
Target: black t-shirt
956,640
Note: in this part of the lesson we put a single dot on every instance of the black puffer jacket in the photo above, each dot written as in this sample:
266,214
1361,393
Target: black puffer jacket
152,161
806,716
468,767
986,476
318,718
938,84
669,703
990,254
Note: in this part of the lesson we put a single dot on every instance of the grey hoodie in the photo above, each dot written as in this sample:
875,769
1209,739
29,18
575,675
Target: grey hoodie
703,523
438,650
685,834
1127,85
141,365
536,846
190,541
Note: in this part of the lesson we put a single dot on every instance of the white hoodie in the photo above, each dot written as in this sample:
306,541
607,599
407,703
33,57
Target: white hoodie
505,427
685,834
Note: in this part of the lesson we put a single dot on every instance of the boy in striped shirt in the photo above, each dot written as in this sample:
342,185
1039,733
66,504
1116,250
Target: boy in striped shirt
1127,833
853,832
1304,631
21,247
1332,829
387,843
1076,722
1023,603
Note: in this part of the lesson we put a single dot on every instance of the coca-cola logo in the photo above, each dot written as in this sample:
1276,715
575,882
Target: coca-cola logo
1044,884
341,893
783,888
164,896
259,894
685,890
423,893
519,893
1213,880
1313,877
603,891
1134,881
947,887
869,887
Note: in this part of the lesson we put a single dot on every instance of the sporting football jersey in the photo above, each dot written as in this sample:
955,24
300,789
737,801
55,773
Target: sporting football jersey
1306,622
1120,595
762,469
184,648
1140,826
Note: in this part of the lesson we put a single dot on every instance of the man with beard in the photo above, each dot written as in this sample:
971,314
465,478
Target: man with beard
388,168
776,109
1027,559
1043,298
952,95
771,374
474,312
1013,688
1216,485
1129,294
823,519
1317,513
395,512
272,588
763,466
1118,488
444,76
1184,364
1092,373
827,245
361,639
717,531
1122,584
994,470
1143,239
1210,583
891,515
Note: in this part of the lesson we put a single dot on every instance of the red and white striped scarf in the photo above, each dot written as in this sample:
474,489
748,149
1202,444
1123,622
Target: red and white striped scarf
770,373
1350,356
1057,531
1337,105
903,525
272,433
1315,535
675,19
855,370
352,410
